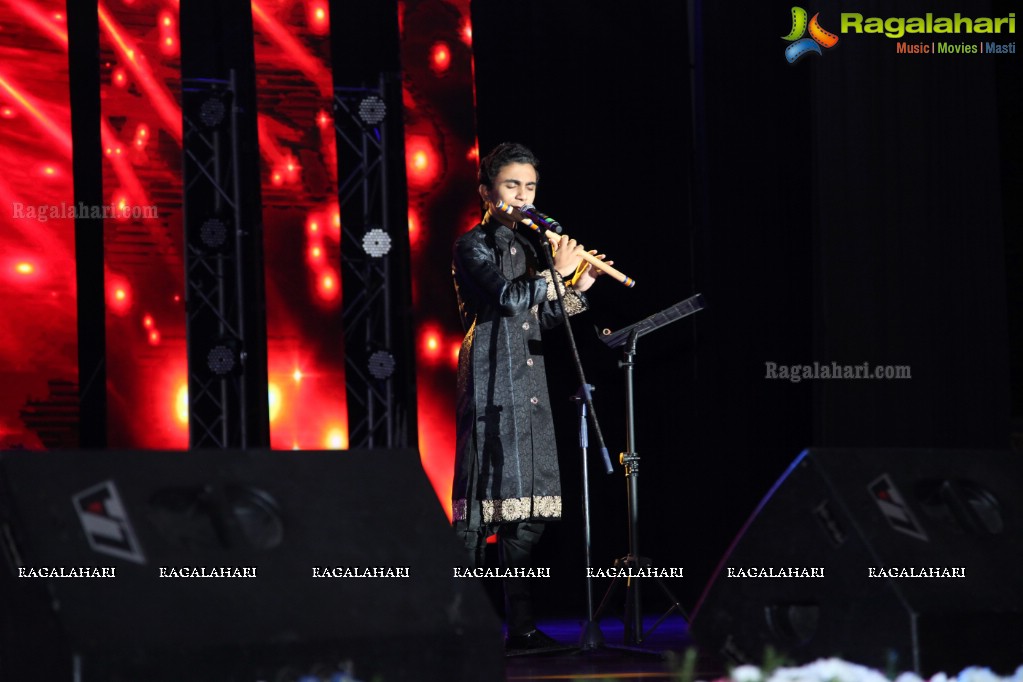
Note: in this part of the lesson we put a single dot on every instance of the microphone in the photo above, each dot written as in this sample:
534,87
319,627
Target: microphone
541,219
544,225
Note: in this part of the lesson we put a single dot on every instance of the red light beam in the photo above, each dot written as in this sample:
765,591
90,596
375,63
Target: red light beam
41,21
299,56
168,111
41,120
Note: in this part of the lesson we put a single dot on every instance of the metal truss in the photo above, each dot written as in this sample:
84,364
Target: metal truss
215,262
366,259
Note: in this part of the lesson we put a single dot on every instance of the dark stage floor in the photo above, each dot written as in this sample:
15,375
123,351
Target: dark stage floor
659,657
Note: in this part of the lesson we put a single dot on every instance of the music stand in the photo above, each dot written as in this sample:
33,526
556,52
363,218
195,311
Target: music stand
628,337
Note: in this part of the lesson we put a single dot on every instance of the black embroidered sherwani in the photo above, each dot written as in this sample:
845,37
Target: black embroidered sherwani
506,458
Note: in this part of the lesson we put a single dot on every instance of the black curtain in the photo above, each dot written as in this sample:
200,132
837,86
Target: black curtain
851,207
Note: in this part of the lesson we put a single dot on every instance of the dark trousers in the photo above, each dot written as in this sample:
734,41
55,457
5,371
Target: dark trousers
515,542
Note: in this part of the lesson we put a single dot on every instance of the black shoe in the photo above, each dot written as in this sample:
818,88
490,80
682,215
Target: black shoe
531,641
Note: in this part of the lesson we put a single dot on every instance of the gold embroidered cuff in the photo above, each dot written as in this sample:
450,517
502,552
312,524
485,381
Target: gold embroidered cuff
552,294
574,301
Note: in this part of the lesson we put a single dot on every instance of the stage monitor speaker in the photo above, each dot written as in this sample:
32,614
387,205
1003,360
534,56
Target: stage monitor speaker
220,565
897,559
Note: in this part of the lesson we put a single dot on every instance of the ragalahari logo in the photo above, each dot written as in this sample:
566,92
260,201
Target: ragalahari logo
801,46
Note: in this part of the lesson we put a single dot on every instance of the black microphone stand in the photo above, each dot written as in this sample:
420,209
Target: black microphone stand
591,637
633,561
545,248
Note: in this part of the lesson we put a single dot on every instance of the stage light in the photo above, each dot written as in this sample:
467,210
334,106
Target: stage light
141,136
213,233
147,321
413,227
221,360
456,350
376,243
119,295
120,201
327,285
372,110
213,110
274,400
431,345
291,170
49,171
168,46
315,252
323,119
25,268
273,394
319,17
336,439
181,404
466,32
421,161
297,375
381,365
7,112
154,338
440,57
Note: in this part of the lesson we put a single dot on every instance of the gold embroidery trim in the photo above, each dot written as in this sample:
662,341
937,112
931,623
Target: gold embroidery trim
512,509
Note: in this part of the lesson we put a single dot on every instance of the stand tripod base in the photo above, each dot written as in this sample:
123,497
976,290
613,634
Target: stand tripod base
591,637
634,634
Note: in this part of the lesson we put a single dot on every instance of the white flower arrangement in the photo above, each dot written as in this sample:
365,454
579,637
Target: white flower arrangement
837,670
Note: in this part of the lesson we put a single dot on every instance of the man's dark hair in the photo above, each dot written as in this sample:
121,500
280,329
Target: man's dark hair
501,156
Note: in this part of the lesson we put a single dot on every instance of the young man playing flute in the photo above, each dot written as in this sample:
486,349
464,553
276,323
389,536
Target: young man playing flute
506,464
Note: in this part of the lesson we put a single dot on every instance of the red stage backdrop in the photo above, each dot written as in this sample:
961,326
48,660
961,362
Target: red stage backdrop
441,163
38,335
141,133
302,228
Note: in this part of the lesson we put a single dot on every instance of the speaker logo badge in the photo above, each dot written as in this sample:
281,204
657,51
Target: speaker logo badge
891,503
105,522
832,528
